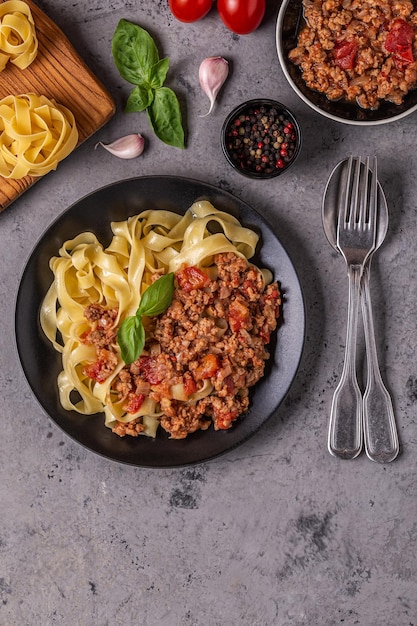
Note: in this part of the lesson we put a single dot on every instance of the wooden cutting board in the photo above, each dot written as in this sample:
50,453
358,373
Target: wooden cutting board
58,72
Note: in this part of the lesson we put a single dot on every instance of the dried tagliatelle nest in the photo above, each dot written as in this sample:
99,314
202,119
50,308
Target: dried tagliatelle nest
18,41
36,133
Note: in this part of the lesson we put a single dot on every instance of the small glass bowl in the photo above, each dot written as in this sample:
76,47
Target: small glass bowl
261,138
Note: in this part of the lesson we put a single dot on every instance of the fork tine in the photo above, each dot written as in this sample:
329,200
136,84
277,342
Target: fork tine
373,198
344,189
364,196
353,213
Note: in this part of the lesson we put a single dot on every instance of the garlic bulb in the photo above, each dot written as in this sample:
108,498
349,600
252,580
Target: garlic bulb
128,147
212,74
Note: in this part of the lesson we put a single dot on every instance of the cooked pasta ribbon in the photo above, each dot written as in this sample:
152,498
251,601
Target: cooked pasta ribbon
18,40
36,133
85,272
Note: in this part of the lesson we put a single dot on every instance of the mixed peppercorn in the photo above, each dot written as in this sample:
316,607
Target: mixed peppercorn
261,140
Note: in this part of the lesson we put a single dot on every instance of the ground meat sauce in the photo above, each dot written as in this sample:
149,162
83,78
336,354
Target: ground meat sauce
359,50
214,331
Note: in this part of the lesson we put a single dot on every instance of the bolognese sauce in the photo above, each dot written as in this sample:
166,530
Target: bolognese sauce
358,50
201,355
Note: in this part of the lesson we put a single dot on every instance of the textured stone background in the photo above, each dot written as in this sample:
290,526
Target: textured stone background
276,532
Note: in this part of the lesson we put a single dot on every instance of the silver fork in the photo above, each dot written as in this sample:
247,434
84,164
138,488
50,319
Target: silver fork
356,232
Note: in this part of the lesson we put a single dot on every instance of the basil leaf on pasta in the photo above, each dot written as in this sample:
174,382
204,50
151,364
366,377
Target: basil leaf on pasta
131,338
158,296
155,300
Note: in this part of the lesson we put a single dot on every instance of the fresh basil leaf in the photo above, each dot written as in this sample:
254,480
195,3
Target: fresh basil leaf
131,338
137,59
159,73
131,333
164,116
139,99
158,296
134,53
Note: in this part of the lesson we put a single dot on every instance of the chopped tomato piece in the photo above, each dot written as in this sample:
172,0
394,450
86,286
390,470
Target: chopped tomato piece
223,422
189,385
208,367
134,403
399,41
85,336
96,371
345,54
191,278
238,315
149,369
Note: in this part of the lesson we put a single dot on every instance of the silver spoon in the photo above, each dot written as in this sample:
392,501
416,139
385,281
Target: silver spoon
380,431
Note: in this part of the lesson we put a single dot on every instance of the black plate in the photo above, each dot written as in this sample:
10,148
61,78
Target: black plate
289,23
41,363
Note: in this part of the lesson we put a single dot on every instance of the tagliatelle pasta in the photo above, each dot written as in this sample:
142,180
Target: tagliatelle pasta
154,242
36,133
18,40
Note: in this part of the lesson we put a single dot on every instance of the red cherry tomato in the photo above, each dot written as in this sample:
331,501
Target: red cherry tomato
241,16
190,10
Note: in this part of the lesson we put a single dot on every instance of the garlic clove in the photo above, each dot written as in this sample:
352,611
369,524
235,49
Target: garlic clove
212,74
128,147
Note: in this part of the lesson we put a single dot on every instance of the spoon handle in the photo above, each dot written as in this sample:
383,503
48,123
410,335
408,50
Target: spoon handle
380,431
345,428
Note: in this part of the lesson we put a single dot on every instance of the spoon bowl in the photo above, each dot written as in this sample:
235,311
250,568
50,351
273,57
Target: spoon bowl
330,208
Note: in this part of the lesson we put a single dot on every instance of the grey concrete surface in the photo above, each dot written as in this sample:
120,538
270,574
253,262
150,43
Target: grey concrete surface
276,532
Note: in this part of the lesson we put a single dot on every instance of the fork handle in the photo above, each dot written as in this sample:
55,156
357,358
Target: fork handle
345,428
380,431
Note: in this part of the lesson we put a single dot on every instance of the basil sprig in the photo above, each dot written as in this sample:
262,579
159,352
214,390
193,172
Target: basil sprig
137,59
155,300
